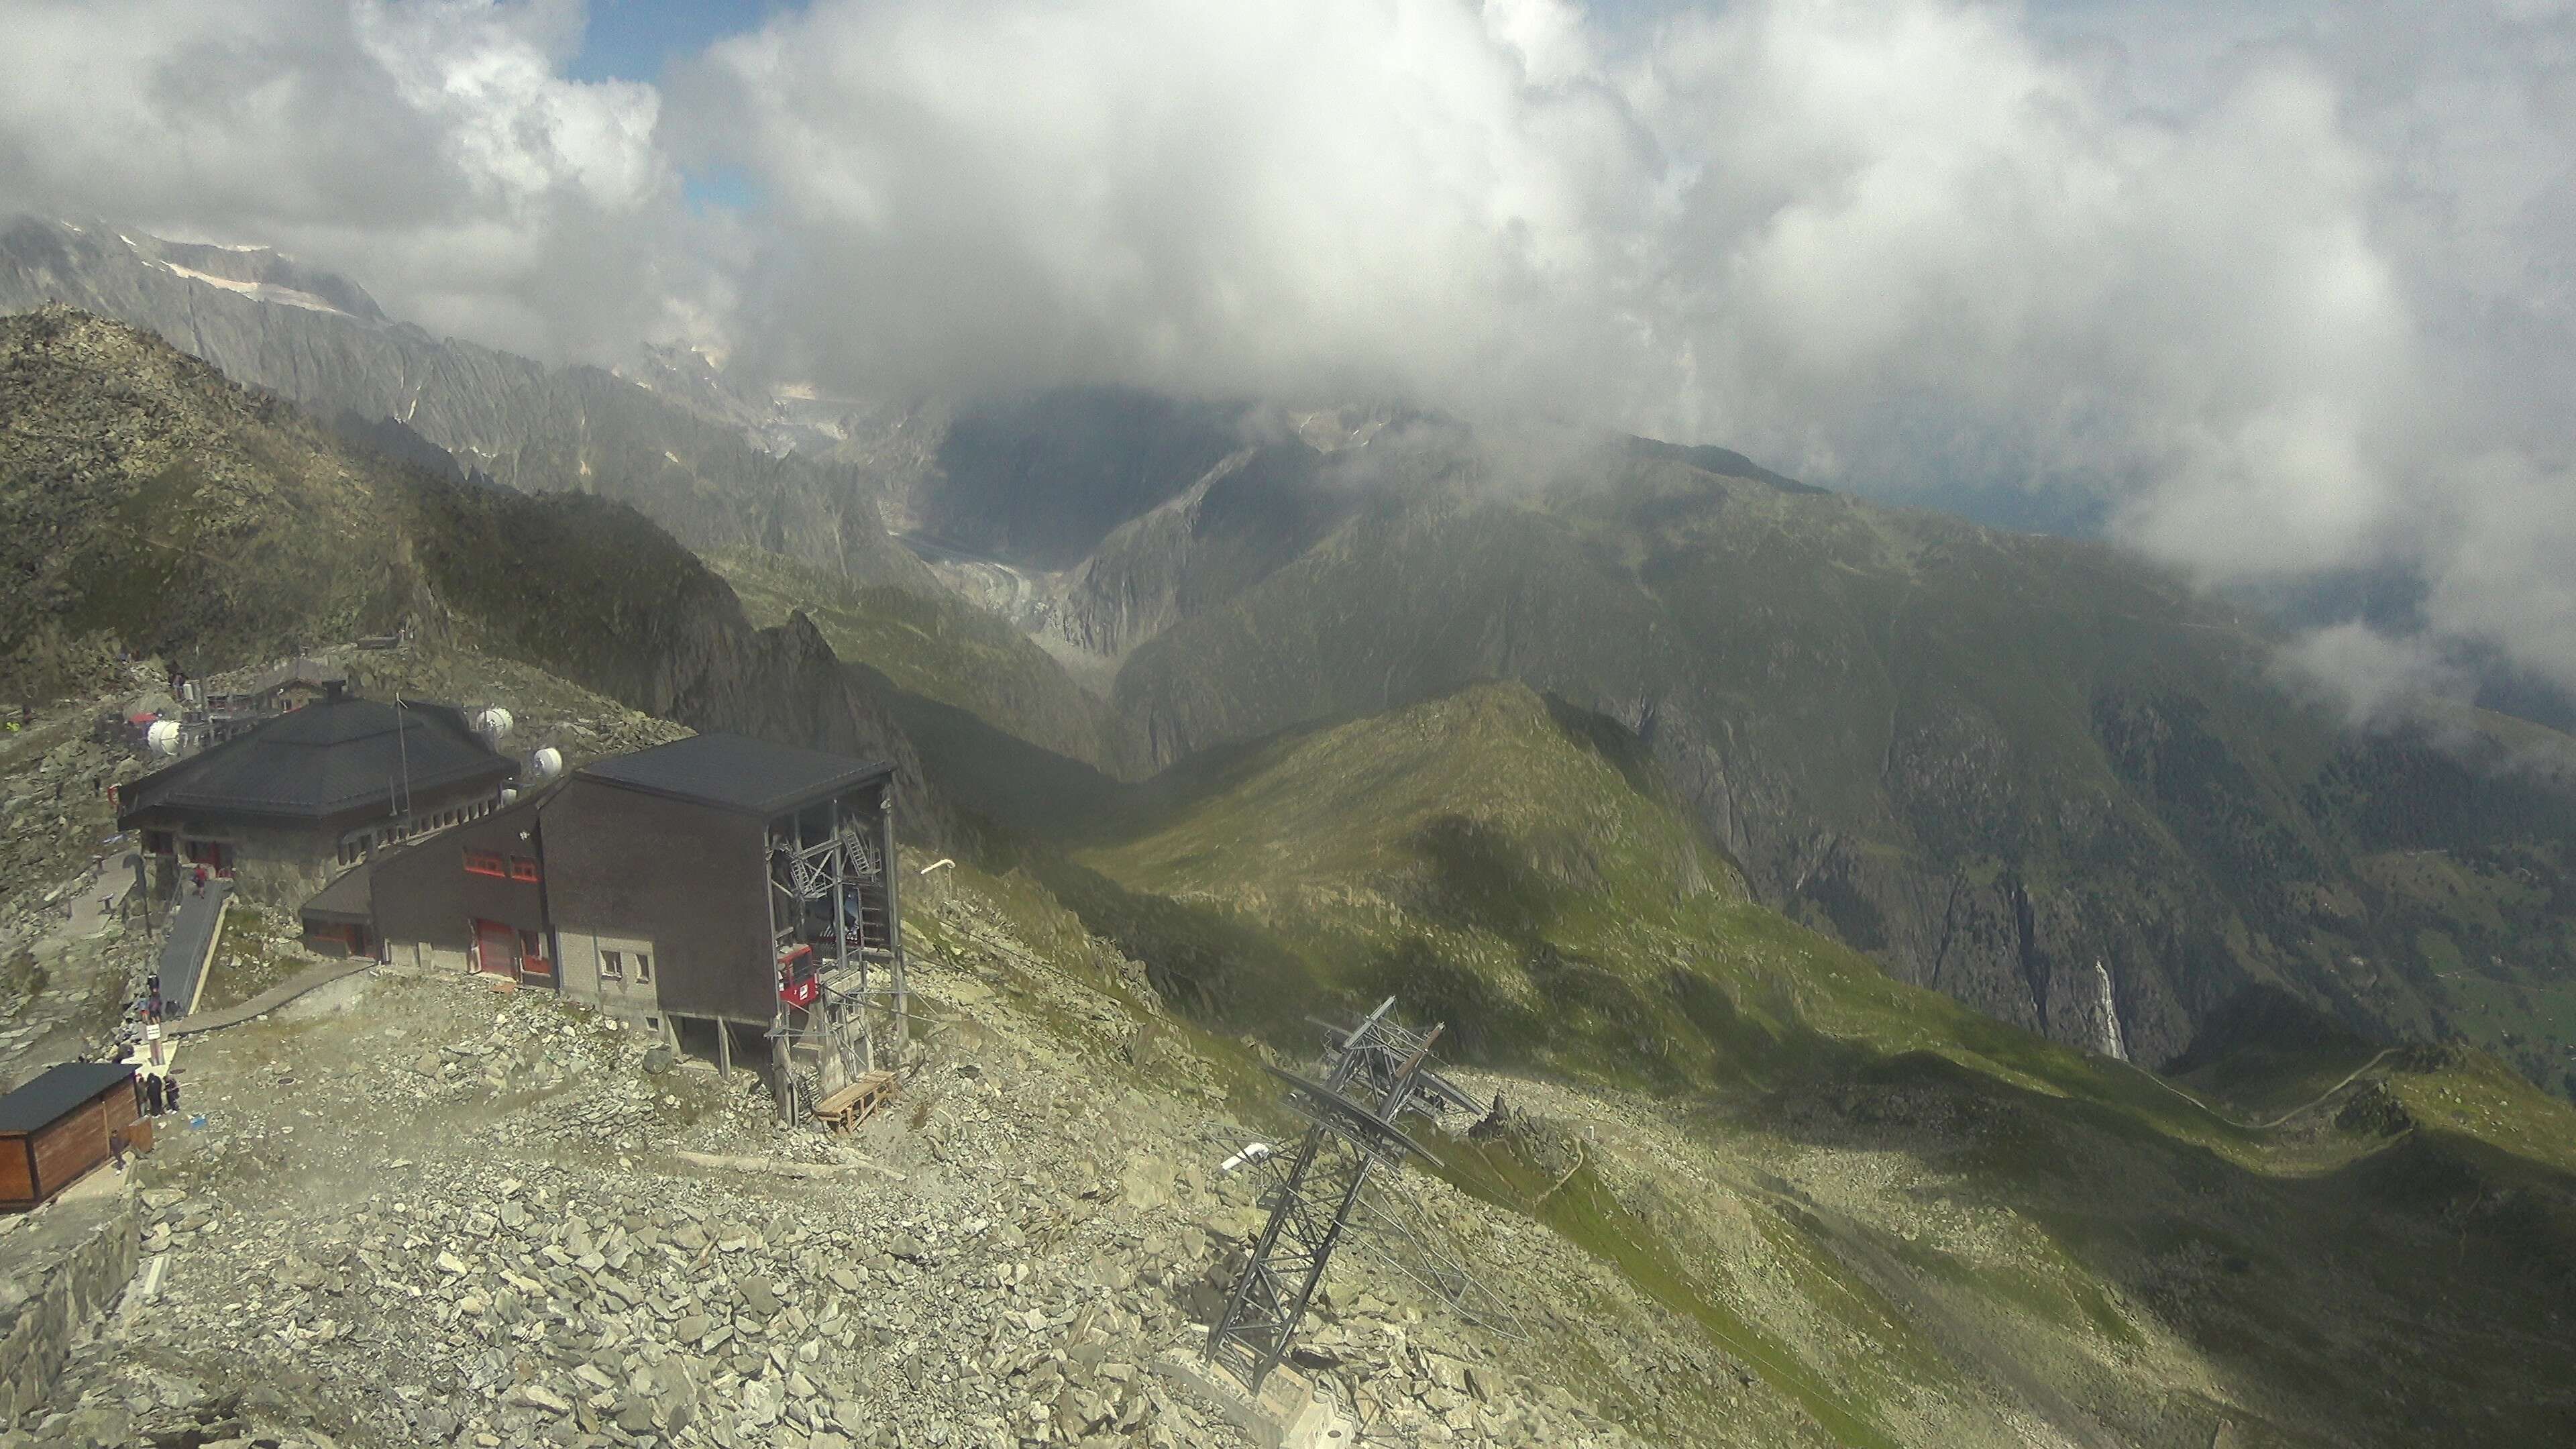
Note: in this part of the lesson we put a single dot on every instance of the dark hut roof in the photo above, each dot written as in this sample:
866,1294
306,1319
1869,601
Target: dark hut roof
324,760
350,900
57,1091
736,772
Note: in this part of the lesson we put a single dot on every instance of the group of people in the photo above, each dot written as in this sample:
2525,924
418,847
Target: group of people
160,1092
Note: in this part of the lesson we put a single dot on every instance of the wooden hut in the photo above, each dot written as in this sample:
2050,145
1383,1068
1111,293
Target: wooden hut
55,1129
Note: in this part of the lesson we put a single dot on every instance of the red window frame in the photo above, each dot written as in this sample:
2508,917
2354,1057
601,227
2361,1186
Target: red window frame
486,862
523,867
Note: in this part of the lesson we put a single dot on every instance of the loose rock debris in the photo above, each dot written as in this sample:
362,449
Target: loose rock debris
426,1214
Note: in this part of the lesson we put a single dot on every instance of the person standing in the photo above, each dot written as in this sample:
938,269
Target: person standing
170,1091
154,1092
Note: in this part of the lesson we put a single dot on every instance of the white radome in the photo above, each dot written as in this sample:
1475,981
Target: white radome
163,737
494,723
546,763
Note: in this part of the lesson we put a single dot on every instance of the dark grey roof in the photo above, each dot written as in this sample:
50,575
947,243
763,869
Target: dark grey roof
350,898
324,760
57,1091
736,772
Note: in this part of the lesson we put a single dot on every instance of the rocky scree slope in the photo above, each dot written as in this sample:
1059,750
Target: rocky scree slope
1000,1261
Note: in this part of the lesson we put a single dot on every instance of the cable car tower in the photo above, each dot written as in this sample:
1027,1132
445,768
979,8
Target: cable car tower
1374,1073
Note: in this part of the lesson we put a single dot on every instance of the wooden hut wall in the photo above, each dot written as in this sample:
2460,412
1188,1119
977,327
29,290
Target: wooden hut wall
426,893
687,877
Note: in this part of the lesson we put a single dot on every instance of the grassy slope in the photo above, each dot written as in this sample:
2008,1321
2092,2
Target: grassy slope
931,645
141,503
1485,856
1913,731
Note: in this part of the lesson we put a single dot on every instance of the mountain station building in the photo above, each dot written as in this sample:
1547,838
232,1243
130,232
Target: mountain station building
734,897
314,787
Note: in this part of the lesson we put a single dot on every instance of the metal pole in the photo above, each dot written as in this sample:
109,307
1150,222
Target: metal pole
785,1082
894,913
840,934
402,749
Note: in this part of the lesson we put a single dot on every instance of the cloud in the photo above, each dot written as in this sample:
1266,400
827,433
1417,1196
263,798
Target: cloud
2372,677
431,150
1319,199
2280,290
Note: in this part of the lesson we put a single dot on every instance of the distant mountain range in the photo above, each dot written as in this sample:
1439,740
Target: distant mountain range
2031,772
321,342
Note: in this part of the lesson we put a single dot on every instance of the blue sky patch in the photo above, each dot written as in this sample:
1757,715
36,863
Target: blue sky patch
634,39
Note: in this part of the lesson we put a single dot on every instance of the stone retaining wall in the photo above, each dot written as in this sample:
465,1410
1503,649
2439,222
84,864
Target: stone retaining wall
60,1268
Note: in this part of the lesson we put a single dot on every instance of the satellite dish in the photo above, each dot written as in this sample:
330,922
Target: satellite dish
493,724
546,763
162,737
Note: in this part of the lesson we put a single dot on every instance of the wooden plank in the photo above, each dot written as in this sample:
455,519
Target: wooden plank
72,1145
118,1107
787,1169
17,1171
855,1103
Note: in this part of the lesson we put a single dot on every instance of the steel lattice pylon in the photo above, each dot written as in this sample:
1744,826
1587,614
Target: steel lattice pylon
1374,1074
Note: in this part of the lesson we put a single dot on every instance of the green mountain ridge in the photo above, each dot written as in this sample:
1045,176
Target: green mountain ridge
1991,760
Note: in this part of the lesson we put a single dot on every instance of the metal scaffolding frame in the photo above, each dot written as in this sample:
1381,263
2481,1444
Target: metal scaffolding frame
1375,1073
860,1009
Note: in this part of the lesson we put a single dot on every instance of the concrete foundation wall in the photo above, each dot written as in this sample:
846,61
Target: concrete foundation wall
632,994
59,1270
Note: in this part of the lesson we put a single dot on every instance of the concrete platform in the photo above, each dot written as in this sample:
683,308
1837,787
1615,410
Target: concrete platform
1290,1414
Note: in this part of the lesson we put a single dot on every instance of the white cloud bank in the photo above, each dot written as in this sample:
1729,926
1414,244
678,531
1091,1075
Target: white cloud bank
2291,287
432,150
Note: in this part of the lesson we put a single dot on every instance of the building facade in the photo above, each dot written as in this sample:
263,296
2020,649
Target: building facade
313,788
57,1128
733,896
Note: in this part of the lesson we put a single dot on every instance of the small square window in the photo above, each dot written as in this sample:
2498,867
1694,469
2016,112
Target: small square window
612,966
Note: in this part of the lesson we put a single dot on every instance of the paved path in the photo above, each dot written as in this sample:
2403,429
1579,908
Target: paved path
191,943
271,999
89,916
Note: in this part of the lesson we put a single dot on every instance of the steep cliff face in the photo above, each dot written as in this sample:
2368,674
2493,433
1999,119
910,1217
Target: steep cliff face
1256,511
1042,479
321,342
